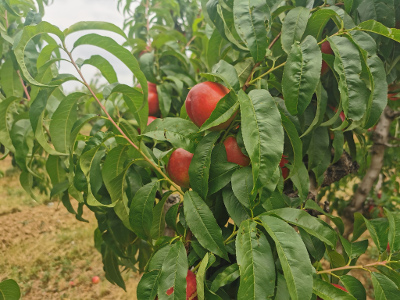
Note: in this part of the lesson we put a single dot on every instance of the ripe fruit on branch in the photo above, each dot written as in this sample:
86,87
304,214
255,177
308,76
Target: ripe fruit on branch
233,152
150,119
178,167
325,48
191,287
285,170
202,100
154,107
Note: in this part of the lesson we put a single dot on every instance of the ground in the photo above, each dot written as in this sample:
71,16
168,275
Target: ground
51,255
47,251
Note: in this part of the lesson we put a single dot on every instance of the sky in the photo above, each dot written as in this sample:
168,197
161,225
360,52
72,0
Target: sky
64,13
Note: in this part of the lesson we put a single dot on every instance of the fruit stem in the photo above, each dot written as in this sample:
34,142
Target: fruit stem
155,167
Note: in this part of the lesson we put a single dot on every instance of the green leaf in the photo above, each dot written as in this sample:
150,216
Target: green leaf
5,138
310,204
200,277
146,62
293,257
94,25
251,21
242,186
317,22
9,290
356,249
20,44
111,268
319,153
10,82
225,109
99,62
141,210
394,230
296,143
359,226
226,276
378,230
235,209
384,288
113,165
123,54
173,273
301,75
310,224
259,114
227,73
26,181
379,28
135,102
348,65
62,122
148,284
256,263
158,226
220,170
202,223
380,10
22,139
199,169
327,291
354,286
177,131
293,27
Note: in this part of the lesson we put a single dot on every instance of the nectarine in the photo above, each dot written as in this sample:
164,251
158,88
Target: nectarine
191,286
233,152
178,167
325,48
202,100
285,170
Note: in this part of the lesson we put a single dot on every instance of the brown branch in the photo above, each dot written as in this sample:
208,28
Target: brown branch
6,18
28,97
363,267
188,238
380,140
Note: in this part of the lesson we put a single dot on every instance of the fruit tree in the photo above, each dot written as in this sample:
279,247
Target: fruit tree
207,173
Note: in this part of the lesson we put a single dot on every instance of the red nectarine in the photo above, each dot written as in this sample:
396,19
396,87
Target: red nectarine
285,170
191,286
233,152
178,167
325,48
202,100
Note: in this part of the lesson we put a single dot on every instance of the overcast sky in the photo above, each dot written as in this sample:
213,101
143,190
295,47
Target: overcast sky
64,13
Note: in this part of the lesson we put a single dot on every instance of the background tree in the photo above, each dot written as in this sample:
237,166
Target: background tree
245,231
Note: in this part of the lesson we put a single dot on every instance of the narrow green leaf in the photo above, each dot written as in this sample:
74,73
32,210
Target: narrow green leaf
379,28
111,268
99,62
5,138
293,27
141,210
226,276
394,230
173,273
177,131
310,204
310,224
256,263
317,22
384,288
327,291
20,44
62,122
354,286
202,223
158,226
94,25
147,287
10,82
378,231
301,75
293,256
242,186
259,114
22,138
235,209
251,21
352,89
199,169
200,277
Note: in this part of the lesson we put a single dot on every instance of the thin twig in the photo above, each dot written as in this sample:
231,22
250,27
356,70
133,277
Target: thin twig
177,187
247,83
28,97
362,267
6,18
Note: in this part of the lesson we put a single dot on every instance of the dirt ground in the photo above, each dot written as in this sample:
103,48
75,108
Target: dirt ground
47,251
51,254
